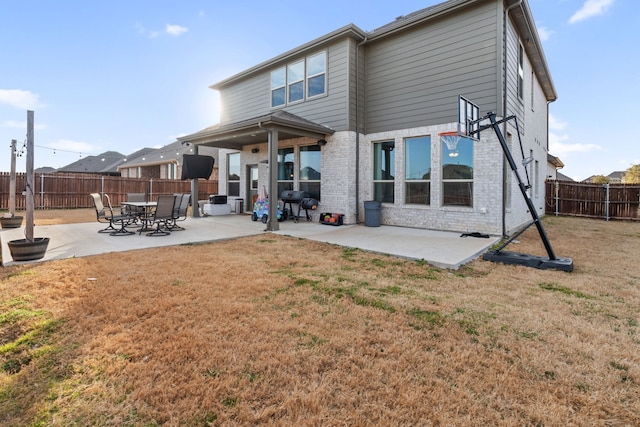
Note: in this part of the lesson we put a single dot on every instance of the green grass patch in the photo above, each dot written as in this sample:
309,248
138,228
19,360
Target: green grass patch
563,289
618,366
374,303
391,290
425,318
349,254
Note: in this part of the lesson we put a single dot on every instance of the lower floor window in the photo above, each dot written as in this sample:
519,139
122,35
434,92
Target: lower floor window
310,171
417,175
417,192
457,193
233,176
312,189
384,171
457,172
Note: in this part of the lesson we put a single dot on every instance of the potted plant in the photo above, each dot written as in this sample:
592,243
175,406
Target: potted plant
29,248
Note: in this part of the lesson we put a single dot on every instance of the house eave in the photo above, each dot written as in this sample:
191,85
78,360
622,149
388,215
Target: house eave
555,161
350,30
254,131
145,164
533,46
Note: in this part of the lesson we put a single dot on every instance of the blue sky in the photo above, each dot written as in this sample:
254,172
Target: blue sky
123,75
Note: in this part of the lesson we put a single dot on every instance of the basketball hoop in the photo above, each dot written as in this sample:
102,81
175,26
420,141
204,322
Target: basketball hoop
451,139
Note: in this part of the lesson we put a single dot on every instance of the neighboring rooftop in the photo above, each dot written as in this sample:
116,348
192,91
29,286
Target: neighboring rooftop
105,163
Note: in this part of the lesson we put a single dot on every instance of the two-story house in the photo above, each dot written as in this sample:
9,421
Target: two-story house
356,116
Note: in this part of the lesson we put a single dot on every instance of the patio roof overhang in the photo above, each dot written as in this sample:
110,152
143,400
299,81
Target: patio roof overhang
271,128
255,131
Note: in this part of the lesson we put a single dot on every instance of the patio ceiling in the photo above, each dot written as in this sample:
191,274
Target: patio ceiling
255,131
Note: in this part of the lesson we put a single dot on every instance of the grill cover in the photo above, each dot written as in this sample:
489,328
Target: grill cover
293,196
309,203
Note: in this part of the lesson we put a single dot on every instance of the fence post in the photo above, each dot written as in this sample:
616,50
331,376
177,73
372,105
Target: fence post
102,186
556,186
607,202
150,188
41,191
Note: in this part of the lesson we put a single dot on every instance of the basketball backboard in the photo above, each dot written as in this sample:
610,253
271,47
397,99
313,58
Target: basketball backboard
468,115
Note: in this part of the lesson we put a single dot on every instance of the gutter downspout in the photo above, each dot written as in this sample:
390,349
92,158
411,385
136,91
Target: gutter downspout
358,129
504,111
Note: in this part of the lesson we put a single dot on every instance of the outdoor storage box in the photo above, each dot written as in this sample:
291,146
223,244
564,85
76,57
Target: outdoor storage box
331,218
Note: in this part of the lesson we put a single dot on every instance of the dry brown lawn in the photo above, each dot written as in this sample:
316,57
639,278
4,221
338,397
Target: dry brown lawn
273,330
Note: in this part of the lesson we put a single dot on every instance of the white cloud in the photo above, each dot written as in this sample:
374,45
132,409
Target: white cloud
147,33
589,9
18,98
556,124
175,30
172,30
14,124
544,33
558,146
558,140
21,125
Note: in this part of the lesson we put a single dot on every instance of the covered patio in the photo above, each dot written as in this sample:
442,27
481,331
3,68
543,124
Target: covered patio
272,128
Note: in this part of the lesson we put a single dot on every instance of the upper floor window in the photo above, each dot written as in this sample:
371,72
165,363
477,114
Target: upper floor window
278,89
417,168
316,74
521,72
295,81
289,83
384,171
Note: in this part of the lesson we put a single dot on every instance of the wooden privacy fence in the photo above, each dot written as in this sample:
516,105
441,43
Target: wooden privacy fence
606,201
67,191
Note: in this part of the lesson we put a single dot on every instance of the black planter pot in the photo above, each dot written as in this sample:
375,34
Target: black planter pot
24,250
11,222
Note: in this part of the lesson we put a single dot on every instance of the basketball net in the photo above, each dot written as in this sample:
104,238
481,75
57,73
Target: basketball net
451,139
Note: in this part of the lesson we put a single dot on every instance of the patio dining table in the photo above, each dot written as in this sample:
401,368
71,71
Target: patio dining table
143,210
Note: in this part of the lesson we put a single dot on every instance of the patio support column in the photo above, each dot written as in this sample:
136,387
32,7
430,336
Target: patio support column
195,207
272,190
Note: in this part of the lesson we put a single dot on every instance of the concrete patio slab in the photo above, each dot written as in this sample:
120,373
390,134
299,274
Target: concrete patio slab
441,249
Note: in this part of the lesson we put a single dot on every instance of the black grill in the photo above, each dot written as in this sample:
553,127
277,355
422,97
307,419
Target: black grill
301,198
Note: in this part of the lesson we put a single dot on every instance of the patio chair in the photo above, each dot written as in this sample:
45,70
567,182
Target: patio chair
162,216
180,211
105,215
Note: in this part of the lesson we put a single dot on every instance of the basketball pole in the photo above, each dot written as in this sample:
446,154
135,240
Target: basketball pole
565,264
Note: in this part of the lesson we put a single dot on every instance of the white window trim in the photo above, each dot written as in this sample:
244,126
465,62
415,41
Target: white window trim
302,80
310,76
305,80
520,87
417,181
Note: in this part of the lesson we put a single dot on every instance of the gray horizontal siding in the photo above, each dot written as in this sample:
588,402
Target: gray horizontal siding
330,110
515,105
252,96
414,78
